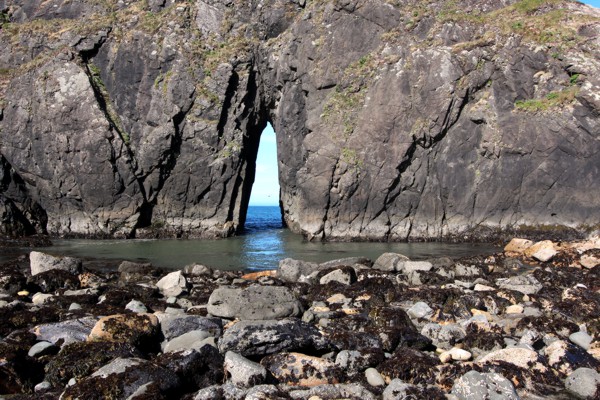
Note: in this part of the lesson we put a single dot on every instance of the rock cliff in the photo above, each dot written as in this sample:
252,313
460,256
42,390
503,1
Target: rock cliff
394,119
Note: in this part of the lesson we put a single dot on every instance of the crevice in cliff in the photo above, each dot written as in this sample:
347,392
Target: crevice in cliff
147,209
425,142
232,87
30,214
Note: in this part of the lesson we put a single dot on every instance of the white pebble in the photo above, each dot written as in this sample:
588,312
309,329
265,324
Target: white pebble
374,377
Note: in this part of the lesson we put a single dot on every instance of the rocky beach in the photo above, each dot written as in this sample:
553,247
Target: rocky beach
522,323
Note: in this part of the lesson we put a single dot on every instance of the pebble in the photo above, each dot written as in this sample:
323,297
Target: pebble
374,377
419,310
42,348
41,298
74,306
515,309
42,386
581,339
136,306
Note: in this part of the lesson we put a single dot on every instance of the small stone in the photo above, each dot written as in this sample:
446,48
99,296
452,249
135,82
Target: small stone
515,309
136,306
584,383
487,315
23,293
244,372
581,339
40,298
517,246
42,386
483,288
445,357
419,310
588,261
42,348
172,284
542,251
74,306
337,298
459,354
172,300
197,270
374,377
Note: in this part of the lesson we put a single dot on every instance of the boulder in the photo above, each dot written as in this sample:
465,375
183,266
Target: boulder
140,330
291,270
125,378
517,246
566,357
192,340
174,325
195,368
254,303
257,338
389,261
70,331
172,284
78,360
518,356
584,383
296,369
343,276
526,284
242,371
41,262
542,251
197,270
475,386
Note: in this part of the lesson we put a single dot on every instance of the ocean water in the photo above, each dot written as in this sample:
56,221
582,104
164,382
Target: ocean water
264,242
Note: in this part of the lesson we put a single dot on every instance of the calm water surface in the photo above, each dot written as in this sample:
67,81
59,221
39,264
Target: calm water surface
261,247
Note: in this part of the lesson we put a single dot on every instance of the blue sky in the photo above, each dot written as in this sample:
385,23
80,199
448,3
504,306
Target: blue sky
265,191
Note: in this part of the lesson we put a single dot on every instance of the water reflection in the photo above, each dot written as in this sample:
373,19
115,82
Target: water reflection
261,247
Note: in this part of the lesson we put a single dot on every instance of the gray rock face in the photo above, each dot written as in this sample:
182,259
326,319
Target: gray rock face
254,303
150,126
250,338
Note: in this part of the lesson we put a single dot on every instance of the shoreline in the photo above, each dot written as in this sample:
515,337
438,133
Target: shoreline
524,322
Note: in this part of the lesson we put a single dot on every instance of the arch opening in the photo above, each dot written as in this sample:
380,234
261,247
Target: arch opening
264,207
